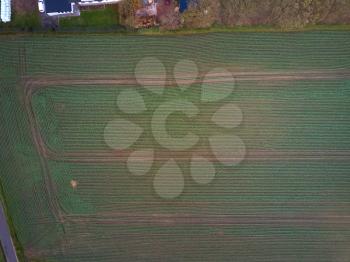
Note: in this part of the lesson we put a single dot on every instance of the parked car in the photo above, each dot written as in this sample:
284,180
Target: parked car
41,6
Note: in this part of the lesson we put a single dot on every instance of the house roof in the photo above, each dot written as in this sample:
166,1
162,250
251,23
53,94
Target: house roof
57,6
5,10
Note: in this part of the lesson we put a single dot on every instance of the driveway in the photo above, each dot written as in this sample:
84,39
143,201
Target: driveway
5,238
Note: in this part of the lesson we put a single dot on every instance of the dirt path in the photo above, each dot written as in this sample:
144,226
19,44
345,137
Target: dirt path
34,84
5,238
255,155
304,220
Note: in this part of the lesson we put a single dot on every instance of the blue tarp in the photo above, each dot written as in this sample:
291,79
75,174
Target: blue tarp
185,3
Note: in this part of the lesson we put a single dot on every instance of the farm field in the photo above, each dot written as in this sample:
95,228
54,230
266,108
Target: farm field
94,165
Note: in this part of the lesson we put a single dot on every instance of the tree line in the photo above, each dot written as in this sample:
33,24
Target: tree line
282,13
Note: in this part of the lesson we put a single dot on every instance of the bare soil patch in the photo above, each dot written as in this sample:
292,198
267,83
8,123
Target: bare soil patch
25,6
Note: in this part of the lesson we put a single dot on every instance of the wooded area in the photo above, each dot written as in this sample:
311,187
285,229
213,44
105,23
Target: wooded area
282,13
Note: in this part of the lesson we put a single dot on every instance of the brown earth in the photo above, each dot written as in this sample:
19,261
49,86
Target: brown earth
24,6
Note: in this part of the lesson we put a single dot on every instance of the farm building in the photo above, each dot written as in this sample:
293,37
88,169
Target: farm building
68,8
53,8
96,2
5,10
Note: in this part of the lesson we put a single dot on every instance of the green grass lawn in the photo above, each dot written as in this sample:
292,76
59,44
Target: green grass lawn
23,22
107,17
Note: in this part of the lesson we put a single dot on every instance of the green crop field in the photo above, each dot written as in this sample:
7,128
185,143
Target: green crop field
213,147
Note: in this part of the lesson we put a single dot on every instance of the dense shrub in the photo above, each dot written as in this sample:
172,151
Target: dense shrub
201,14
283,13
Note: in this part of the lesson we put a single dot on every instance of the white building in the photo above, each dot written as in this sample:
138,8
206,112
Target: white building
5,11
97,2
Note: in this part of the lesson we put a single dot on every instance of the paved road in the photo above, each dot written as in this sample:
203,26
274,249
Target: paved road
5,238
